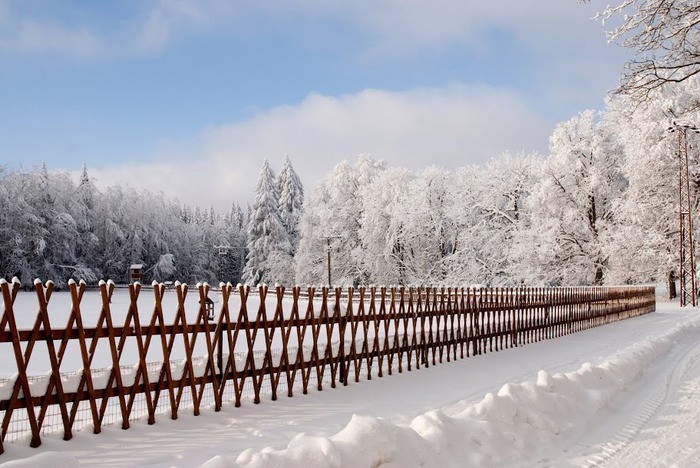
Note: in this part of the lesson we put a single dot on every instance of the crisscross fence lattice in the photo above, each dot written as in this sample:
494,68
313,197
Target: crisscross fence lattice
270,342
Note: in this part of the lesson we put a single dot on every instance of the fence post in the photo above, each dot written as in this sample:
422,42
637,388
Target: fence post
341,332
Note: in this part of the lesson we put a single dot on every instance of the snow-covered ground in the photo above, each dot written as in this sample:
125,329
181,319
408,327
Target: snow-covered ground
626,394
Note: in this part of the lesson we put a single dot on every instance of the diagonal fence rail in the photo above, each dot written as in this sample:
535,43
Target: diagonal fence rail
180,350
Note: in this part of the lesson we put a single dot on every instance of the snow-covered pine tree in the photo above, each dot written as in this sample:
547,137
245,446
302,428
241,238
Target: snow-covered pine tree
268,259
291,202
237,232
87,244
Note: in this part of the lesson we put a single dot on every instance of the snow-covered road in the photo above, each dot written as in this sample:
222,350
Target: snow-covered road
626,394
657,421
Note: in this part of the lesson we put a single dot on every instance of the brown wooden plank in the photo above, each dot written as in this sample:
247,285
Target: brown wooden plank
43,297
224,326
290,368
142,369
202,326
167,338
9,296
188,370
77,292
258,324
316,355
308,321
115,373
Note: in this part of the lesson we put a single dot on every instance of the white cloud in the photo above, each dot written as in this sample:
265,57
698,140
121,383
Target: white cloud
392,26
152,31
402,26
169,18
34,36
448,127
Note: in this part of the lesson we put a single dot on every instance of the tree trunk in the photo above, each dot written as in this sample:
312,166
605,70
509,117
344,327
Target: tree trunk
598,280
672,285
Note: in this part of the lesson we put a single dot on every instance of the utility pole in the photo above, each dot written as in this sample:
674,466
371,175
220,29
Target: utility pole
687,253
328,250
328,239
223,253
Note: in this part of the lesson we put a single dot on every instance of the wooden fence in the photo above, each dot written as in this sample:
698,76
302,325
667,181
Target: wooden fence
278,341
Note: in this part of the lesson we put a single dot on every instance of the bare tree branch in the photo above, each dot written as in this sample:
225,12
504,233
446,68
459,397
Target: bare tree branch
665,35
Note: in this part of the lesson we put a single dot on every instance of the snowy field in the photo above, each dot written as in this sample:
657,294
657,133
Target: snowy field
626,394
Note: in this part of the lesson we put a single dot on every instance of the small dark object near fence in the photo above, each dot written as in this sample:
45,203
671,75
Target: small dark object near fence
327,335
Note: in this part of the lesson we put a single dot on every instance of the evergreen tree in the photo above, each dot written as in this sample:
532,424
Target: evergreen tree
86,201
291,202
269,249
234,261
52,229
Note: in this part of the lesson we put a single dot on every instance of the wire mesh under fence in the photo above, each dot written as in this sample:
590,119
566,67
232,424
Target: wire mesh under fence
81,359
19,427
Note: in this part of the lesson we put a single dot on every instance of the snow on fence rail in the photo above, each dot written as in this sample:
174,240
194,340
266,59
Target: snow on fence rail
276,341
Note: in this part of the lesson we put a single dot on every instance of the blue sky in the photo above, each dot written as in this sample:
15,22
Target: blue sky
190,97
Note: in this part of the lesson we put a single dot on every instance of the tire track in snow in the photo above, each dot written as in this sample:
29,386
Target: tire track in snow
684,362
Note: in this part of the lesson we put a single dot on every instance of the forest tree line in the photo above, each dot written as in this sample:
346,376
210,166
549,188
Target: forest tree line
54,229
600,208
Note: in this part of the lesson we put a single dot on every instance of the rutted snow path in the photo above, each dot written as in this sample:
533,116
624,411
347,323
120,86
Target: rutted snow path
664,429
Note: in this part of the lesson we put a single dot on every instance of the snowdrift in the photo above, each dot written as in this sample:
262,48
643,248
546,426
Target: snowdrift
521,418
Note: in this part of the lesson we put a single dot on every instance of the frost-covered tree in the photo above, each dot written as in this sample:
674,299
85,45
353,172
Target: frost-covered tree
644,247
463,266
571,206
423,234
269,250
21,229
489,210
67,248
291,202
332,220
39,234
309,259
385,253
111,232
